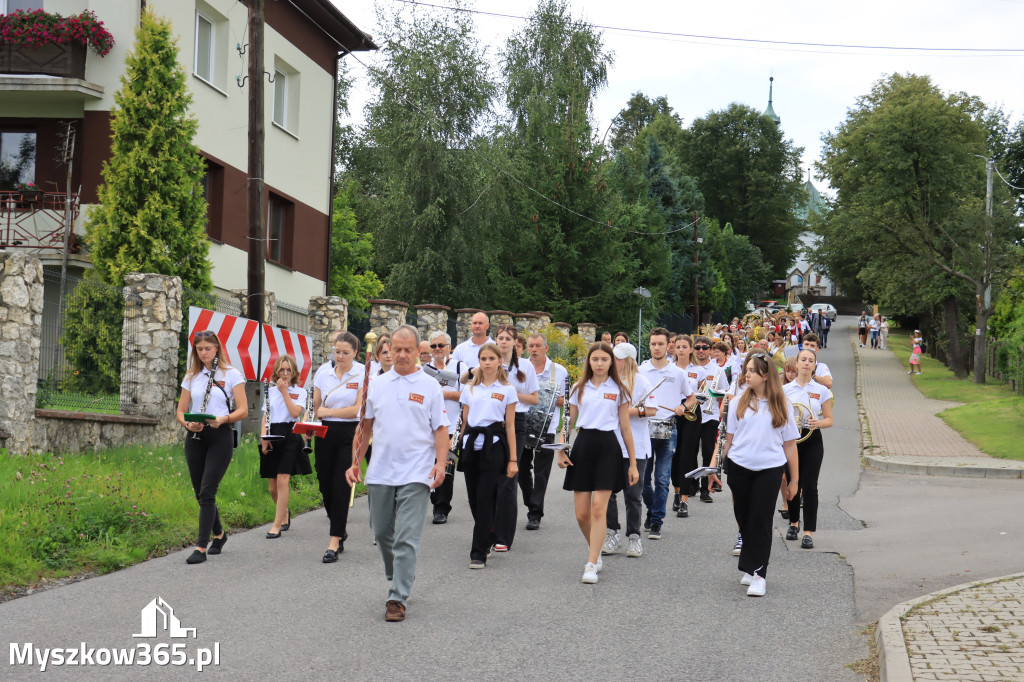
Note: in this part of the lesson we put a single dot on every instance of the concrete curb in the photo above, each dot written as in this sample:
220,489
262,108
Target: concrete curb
893,659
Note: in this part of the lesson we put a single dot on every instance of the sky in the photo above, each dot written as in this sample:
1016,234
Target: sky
813,87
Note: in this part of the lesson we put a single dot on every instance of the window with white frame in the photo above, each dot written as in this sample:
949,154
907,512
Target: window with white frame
286,96
205,42
210,50
11,6
281,98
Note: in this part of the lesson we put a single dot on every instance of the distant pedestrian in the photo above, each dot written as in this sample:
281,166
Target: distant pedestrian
862,329
883,333
875,326
915,355
826,325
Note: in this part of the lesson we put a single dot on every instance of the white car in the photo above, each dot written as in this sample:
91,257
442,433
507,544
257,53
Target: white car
826,308
795,307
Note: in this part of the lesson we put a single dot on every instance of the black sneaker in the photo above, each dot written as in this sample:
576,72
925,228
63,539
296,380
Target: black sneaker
440,518
655,533
196,557
705,496
647,521
216,544
683,511
533,524
792,532
675,502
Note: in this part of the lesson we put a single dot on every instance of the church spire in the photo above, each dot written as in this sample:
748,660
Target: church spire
770,112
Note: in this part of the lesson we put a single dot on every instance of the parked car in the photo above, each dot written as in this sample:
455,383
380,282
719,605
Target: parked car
826,308
795,307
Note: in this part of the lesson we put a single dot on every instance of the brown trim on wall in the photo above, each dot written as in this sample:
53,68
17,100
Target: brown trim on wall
296,29
95,140
51,176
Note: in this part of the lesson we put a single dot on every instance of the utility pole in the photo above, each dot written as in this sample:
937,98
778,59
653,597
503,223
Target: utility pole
256,212
696,276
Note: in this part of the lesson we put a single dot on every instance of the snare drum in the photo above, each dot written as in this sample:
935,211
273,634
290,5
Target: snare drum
661,428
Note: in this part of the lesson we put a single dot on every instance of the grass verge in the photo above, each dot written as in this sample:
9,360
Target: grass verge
70,515
992,417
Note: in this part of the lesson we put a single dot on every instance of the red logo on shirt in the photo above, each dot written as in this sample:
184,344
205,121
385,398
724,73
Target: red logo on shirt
416,398
293,396
692,375
354,384
815,396
498,396
611,396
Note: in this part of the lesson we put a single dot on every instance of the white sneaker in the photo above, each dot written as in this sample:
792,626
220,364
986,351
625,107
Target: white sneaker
746,579
612,542
738,547
758,586
599,565
590,573
634,548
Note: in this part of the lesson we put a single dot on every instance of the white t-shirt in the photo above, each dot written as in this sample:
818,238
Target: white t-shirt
821,370
338,393
450,406
756,445
278,410
468,353
487,403
812,395
873,324
673,392
638,425
406,411
219,405
527,385
327,368
598,405
544,378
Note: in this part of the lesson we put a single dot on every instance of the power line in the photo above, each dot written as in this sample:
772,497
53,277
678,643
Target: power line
978,50
1008,183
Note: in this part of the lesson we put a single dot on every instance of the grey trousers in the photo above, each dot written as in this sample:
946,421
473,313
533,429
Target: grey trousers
633,499
397,515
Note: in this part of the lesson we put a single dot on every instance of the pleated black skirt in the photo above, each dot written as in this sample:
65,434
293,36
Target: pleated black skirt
596,462
286,457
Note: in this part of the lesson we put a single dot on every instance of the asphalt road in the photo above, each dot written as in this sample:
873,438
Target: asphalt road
676,613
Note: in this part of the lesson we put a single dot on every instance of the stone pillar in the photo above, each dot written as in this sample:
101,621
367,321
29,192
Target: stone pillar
149,349
464,316
328,315
21,321
269,304
588,331
386,315
499,318
525,323
431,319
542,318
563,329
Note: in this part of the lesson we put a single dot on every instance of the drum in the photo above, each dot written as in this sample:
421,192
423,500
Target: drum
661,428
538,418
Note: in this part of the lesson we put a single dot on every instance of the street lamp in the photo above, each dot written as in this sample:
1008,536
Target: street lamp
644,293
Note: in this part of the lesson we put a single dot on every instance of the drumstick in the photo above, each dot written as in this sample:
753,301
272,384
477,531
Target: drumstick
357,441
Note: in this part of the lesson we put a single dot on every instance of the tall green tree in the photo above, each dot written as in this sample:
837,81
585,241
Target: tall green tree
351,253
750,177
417,162
910,188
639,112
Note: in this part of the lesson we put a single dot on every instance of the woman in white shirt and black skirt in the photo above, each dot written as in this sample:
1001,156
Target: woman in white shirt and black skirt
208,447
488,445
760,444
336,398
281,460
599,405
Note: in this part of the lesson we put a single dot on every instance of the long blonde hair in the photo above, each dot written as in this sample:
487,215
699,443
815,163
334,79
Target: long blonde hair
629,370
478,375
281,359
196,365
777,402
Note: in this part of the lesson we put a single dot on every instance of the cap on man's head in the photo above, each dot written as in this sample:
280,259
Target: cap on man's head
624,350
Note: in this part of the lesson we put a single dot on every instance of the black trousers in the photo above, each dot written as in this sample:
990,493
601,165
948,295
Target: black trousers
632,500
483,489
754,494
812,452
708,437
534,471
507,511
685,459
441,496
333,455
208,459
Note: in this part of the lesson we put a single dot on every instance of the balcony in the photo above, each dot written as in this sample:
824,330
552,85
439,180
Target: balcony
56,71
35,220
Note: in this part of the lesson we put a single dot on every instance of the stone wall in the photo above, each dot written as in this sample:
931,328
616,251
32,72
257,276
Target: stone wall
588,331
269,306
431,319
21,318
463,319
564,328
328,315
499,318
386,315
59,431
543,318
525,323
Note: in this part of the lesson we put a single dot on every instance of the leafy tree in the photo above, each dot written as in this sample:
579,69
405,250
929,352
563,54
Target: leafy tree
640,111
749,176
152,214
351,254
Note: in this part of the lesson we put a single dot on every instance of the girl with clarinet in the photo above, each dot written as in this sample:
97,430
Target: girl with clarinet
336,398
818,398
760,444
282,459
599,405
208,389
488,444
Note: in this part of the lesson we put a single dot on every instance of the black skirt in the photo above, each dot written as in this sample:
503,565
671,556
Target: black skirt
286,456
596,462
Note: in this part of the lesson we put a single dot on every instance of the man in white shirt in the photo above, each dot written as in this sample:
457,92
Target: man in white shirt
440,345
404,413
535,463
822,374
673,397
467,354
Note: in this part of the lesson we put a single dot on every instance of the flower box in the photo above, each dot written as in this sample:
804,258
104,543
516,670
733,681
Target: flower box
65,61
31,196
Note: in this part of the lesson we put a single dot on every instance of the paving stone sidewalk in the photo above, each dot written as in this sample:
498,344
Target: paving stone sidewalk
969,632
901,430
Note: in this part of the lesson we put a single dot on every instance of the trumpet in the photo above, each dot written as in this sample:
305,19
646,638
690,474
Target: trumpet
690,414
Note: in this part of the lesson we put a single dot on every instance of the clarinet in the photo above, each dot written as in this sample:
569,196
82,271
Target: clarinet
266,412
206,396
307,440
565,425
453,447
720,442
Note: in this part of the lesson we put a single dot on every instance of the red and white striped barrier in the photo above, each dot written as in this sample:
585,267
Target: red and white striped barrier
242,340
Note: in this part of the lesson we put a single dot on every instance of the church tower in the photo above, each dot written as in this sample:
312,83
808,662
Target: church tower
770,112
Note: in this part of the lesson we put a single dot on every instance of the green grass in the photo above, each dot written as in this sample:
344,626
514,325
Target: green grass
992,418
75,401
95,513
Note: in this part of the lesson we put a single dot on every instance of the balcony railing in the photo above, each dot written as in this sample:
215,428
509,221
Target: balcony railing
65,61
35,220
